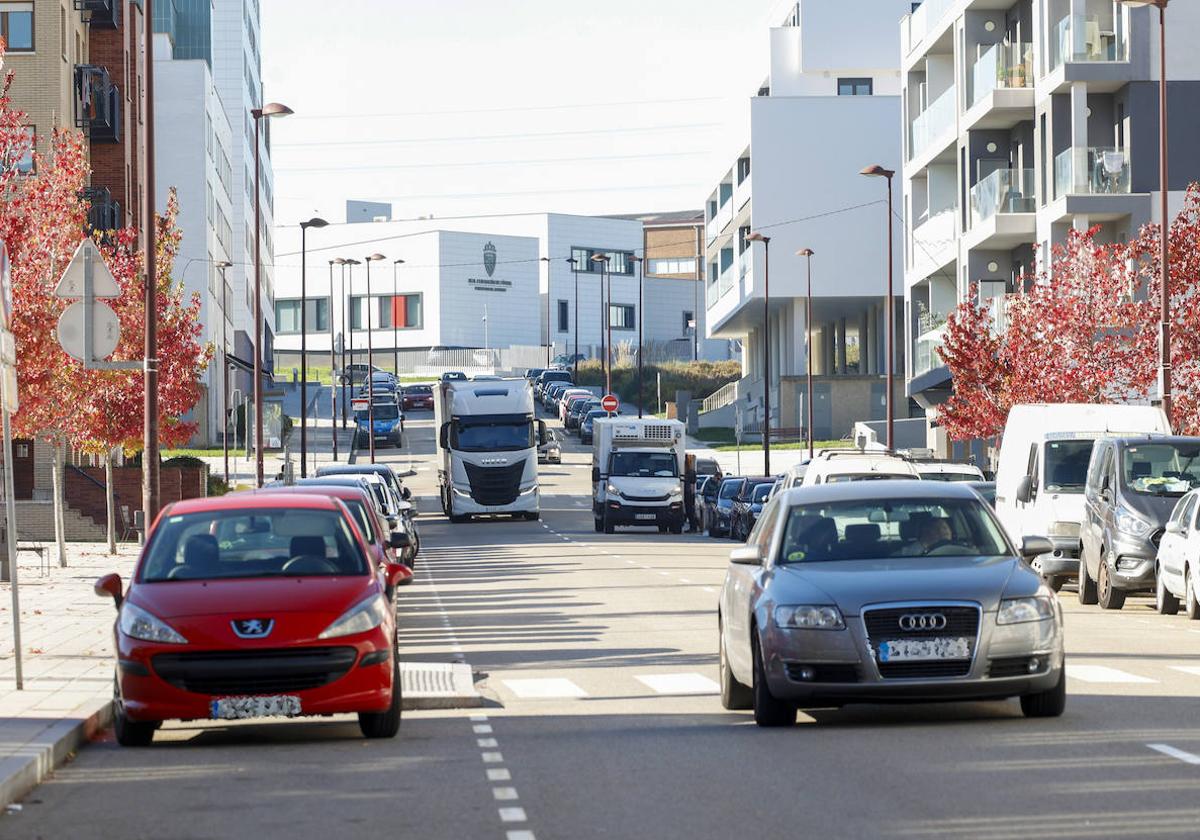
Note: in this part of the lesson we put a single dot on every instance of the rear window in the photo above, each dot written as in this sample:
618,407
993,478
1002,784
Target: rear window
263,542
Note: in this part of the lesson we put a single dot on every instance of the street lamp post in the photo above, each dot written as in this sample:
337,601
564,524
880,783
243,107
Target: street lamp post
314,222
150,473
371,360
333,389
641,300
222,266
347,366
605,319
549,329
766,432
1163,185
575,328
807,253
877,171
395,327
271,109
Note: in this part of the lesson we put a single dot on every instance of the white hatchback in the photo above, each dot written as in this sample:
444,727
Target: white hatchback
1177,570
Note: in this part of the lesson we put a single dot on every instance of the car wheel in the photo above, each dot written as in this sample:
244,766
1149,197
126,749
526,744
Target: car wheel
130,733
1192,604
1164,601
1087,586
676,529
768,711
1049,703
1109,597
734,695
608,526
385,724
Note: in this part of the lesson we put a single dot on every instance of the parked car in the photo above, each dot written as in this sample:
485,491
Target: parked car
1178,563
389,505
587,427
548,377
986,489
568,398
707,466
1133,484
717,518
578,411
947,471
218,576
706,501
416,398
356,373
568,359
747,505
454,376
551,394
550,452
533,373
841,465
885,591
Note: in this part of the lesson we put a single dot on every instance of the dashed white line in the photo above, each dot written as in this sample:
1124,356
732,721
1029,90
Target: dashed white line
510,815
499,774
1173,752
486,743
505,794
519,835
493,758
482,729
478,718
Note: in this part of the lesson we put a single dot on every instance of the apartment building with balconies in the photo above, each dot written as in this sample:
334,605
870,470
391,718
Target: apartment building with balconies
828,108
1023,119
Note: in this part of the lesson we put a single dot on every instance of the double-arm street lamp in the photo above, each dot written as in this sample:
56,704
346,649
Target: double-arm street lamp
605,320
575,362
638,260
371,360
766,429
807,253
314,222
877,171
271,109
549,328
395,308
222,266
333,385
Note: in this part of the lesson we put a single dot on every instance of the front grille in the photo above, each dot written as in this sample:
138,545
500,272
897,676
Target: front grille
925,670
1015,666
824,672
630,498
495,485
883,625
238,672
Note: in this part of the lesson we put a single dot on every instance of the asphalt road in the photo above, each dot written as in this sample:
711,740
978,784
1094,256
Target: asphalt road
598,658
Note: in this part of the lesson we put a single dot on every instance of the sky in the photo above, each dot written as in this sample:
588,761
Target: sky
465,107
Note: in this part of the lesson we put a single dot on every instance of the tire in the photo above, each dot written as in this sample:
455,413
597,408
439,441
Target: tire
1109,597
533,516
130,733
1087,586
385,724
1164,601
1192,605
734,695
768,711
608,526
1049,703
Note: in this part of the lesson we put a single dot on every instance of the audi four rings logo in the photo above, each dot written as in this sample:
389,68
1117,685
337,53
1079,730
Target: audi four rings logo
923,621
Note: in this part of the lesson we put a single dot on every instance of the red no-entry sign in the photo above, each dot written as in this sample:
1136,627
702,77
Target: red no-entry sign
610,403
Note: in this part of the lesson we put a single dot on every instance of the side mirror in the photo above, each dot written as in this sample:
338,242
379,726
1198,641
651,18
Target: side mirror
110,585
399,540
543,435
1175,528
398,575
595,475
1025,489
1034,546
747,555
405,493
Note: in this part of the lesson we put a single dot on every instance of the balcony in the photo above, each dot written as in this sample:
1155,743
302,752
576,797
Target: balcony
1080,38
101,14
726,281
1003,66
104,214
1004,191
925,351
712,294
923,21
932,123
97,104
934,243
1093,170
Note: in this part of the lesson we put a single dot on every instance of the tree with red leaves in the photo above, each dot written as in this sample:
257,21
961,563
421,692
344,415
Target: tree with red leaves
971,350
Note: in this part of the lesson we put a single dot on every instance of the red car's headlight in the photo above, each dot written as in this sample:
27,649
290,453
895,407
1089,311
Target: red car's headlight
136,623
366,615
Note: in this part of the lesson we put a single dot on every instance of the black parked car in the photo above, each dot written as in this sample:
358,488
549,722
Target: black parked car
747,505
585,426
716,511
579,410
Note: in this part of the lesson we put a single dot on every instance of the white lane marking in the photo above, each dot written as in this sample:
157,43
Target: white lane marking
478,718
680,684
665,574
684,580
505,794
487,743
709,589
1167,749
1194,670
512,815
499,774
493,758
1104,674
482,729
519,835
544,688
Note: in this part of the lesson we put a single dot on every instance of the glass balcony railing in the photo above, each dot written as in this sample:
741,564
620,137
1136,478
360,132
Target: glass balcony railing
925,351
1085,38
932,123
924,18
1004,191
711,294
1002,66
726,280
1092,170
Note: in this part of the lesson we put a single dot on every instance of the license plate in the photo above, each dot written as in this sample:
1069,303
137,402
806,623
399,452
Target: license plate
645,516
919,650
239,708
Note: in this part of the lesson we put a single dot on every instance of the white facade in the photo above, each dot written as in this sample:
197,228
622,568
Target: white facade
192,137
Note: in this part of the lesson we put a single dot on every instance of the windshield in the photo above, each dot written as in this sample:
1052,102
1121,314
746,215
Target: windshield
382,412
1162,469
262,542
363,517
501,434
1067,465
863,530
871,476
419,390
949,476
645,464
761,492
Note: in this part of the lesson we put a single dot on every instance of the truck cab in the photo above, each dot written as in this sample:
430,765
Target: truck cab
638,470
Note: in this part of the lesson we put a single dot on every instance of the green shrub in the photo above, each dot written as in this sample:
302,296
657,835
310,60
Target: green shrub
217,485
700,378
183,461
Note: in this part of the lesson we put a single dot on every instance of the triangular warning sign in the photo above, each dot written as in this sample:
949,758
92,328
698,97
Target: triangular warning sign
71,284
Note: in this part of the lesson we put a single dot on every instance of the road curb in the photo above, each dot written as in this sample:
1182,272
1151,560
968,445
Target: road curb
438,685
48,746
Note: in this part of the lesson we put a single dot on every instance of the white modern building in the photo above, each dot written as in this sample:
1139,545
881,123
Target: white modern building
828,107
1022,120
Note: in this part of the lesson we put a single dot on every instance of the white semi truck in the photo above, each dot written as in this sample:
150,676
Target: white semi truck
638,473
487,440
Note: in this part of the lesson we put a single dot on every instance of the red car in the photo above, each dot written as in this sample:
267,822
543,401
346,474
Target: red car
416,397
255,605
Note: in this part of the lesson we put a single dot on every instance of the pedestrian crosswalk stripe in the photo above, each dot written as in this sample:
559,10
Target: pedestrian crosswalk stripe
680,684
1194,670
544,688
1104,674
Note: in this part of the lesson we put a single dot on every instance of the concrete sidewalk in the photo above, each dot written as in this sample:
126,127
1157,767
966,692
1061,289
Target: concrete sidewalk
66,640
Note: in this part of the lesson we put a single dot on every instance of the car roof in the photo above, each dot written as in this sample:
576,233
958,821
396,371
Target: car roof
353,480
337,491
858,491
243,501
1135,440
353,469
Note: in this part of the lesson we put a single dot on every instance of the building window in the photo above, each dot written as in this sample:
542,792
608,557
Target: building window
564,316
618,261
688,318
62,25
855,86
622,316
407,311
16,26
287,316
402,312
356,313
743,169
673,266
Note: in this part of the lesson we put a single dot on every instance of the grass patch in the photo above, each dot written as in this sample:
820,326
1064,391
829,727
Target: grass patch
193,453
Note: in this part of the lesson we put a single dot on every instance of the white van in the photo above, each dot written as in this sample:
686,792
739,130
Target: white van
1042,472
833,465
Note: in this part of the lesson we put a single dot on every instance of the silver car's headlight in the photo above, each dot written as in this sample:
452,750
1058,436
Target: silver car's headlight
613,490
136,623
1021,610
676,494
809,617
366,615
1132,525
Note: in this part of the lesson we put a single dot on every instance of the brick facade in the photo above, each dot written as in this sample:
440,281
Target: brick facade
115,166
87,497
675,242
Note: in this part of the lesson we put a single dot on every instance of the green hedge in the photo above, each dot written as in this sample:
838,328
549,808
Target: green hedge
700,378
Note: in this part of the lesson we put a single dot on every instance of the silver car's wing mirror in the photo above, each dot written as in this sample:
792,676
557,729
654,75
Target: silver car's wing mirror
747,555
1034,546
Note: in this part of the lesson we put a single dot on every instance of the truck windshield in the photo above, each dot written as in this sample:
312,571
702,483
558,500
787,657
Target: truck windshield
645,464
1067,465
494,434
1162,469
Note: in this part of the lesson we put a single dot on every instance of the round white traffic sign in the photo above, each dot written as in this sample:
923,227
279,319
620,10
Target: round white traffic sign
106,331
610,403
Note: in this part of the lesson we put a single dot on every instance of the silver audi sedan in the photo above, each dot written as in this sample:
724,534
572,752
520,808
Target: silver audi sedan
885,591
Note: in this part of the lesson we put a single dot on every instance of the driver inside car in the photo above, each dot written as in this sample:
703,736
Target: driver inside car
933,532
